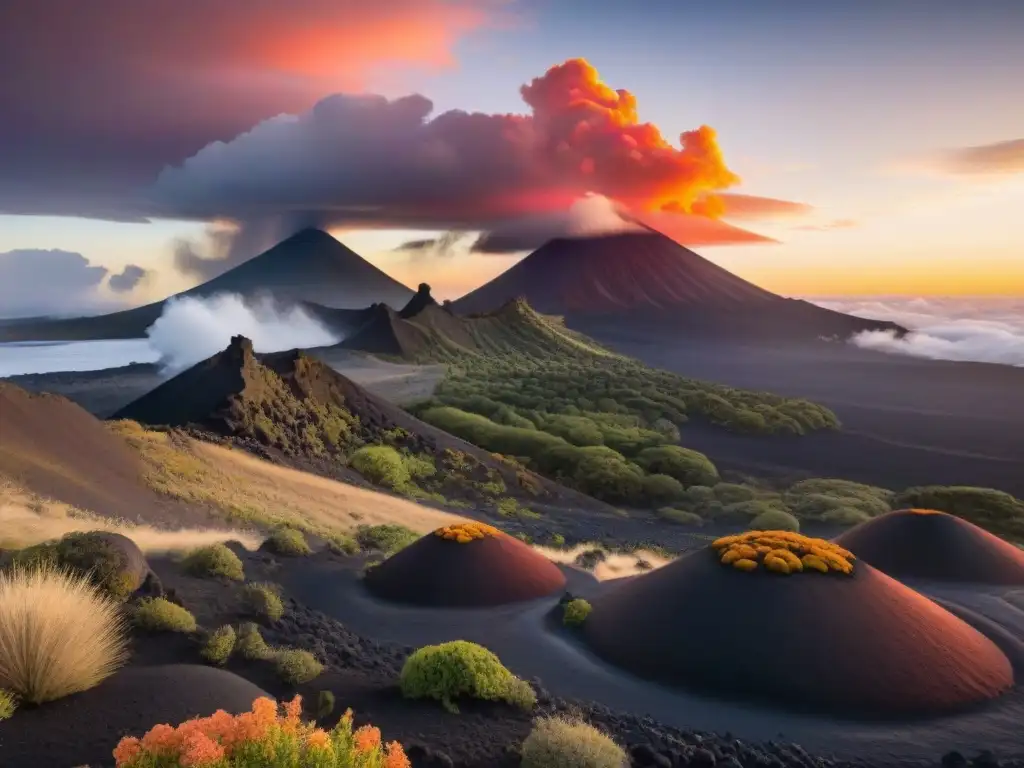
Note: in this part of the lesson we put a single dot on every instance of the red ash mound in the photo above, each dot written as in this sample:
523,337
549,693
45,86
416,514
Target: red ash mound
855,643
925,544
465,566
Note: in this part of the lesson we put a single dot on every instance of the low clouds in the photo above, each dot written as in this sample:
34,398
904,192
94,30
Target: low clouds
110,91
127,279
978,330
998,159
41,282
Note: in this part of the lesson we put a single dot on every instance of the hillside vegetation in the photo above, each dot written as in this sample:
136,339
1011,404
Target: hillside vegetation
524,386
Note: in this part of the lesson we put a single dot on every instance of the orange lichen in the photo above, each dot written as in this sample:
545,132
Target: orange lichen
783,552
463,533
925,512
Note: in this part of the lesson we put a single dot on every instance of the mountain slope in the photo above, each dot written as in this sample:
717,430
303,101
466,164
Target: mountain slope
310,267
646,279
292,408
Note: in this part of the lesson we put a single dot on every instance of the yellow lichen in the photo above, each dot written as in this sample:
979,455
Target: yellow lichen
783,552
463,533
925,511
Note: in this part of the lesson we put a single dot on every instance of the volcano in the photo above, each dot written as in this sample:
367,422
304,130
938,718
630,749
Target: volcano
647,279
310,267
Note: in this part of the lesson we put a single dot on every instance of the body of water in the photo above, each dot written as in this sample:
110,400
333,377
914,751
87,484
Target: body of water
51,356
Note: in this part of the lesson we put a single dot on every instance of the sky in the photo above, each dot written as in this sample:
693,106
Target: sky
855,147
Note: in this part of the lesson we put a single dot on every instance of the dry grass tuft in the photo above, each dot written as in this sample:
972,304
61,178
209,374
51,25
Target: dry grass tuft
58,634
556,742
616,565
27,519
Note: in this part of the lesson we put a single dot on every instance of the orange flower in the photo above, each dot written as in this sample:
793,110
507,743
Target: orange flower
127,750
293,713
219,725
265,710
367,738
394,756
200,750
161,739
318,739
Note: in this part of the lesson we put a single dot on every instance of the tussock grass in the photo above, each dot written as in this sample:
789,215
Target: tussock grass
296,666
557,742
264,600
8,704
214,560
58,634
27,519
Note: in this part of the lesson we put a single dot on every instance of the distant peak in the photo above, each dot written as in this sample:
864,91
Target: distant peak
310,235
419,302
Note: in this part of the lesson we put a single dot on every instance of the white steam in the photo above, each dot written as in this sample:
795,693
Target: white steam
976,330
193,329
596,215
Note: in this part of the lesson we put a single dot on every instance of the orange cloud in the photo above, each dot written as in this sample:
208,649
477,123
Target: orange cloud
367,161
593,133
735,206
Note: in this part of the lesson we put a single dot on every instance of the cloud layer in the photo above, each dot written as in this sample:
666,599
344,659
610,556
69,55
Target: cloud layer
997,159
190,330
42,282
110,91
978,330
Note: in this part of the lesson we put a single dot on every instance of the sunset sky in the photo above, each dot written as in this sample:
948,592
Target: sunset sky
893,130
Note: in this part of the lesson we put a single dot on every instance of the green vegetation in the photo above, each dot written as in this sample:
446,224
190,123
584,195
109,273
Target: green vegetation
250,643
557,742
325,704
214,560
452,670
680,516
287,541
575,612
775,520
93,554
296,666
995,511
687,467
263,600
386,538
158,614
8,704
219,645
382,465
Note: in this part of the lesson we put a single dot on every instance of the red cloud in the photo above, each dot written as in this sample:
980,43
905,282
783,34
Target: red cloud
367,161
99,95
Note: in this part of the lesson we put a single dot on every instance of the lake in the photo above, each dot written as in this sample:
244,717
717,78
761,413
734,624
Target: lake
22,357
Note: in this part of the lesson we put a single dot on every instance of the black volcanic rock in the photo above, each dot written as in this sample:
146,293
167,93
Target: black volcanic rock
309,268
419,302
648,280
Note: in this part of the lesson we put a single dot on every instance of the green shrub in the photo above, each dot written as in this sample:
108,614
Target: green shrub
994,510
324,704
459,668
680,516
250,643
385,538
264,600
296,666
381,465
845,516
108,565
288,542
482,432
556,742
219,645
8,704
775,520
816,497
37,556
343,544
609,479
214,560
575,612
557,540
157,614
733,493
662,489
419,467
686,466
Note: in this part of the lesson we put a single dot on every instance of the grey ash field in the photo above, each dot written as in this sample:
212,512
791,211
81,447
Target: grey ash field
555,479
